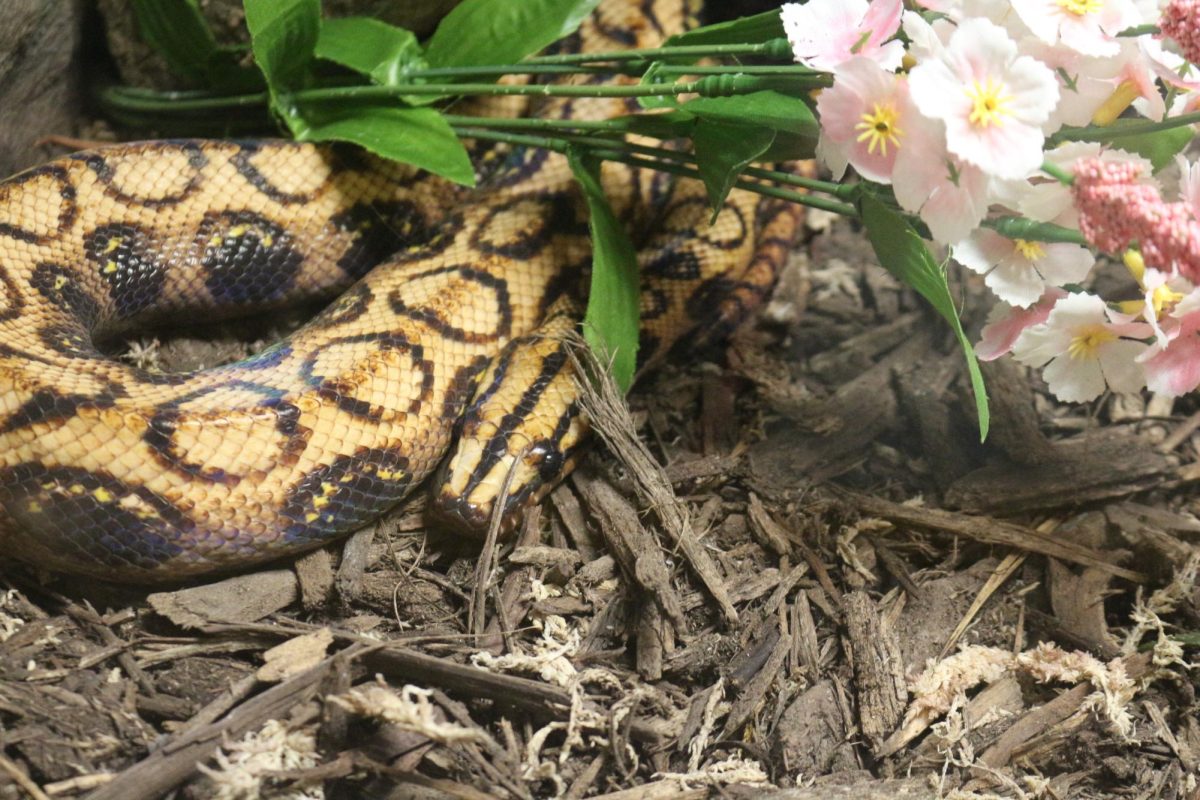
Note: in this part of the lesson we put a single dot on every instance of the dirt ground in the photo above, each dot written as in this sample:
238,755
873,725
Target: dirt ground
811,578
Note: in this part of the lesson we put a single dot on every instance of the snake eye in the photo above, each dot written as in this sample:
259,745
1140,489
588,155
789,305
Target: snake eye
551,462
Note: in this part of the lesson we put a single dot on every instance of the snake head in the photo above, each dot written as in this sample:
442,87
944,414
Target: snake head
520,436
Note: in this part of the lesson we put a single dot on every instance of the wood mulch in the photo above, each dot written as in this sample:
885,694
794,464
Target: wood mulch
804,574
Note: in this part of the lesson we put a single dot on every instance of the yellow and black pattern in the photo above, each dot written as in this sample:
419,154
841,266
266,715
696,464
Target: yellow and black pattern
451,323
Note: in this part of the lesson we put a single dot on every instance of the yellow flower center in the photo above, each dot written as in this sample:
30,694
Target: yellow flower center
1088,340
878,128
1030,251
992,103
1081,7
1163,299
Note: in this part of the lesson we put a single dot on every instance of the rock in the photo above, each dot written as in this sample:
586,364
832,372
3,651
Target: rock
40,89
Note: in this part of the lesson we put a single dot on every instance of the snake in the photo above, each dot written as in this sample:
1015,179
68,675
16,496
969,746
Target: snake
443,349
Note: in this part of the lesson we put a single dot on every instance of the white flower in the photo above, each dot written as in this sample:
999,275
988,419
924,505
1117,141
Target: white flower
1082,350
1084,83
1086,26
1019,271
826,33
992,100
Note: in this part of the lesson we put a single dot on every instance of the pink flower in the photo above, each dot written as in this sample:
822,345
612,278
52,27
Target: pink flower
1051,201
1006,324
864,119
1116,211
1174,368
950,196
826,33
1180,21
992,100
1086,26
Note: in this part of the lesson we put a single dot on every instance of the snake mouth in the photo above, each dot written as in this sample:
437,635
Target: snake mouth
458,515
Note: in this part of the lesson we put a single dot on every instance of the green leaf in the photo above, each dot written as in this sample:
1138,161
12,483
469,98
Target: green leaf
479,32
669,125
417,136
283,35
791,147
614,300
179,33
748,30
383,52
902,252
1159,147
723,150
767,108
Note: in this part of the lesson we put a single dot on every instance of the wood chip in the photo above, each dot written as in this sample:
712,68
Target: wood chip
244,598
294,656
314,571
878,669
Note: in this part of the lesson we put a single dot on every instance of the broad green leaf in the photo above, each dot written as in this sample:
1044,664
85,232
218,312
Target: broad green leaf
723,150
283,34
767,108
383,52
902,252
759,28
481,32
669,125
614,300
417,136
1158,147
179,33
791,147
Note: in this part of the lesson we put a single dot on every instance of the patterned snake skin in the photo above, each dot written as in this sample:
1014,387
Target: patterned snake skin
450,327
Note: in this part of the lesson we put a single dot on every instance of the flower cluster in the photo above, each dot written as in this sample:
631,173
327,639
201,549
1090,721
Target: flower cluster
966,110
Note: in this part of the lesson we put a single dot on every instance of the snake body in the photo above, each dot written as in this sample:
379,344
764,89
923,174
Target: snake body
450,327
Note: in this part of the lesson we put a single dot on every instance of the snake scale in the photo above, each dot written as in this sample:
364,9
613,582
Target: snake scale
450,328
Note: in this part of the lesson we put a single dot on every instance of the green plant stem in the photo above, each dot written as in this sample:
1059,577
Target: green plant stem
622,68
751,69
532,123
1033,231
1099,133
496,70
560,145
737,84
839,190
776,48
142,101
720,85
1140,30
1058,173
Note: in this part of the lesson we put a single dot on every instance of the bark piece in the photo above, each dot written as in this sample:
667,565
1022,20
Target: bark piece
1094,466
244,598
878,674
811,734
